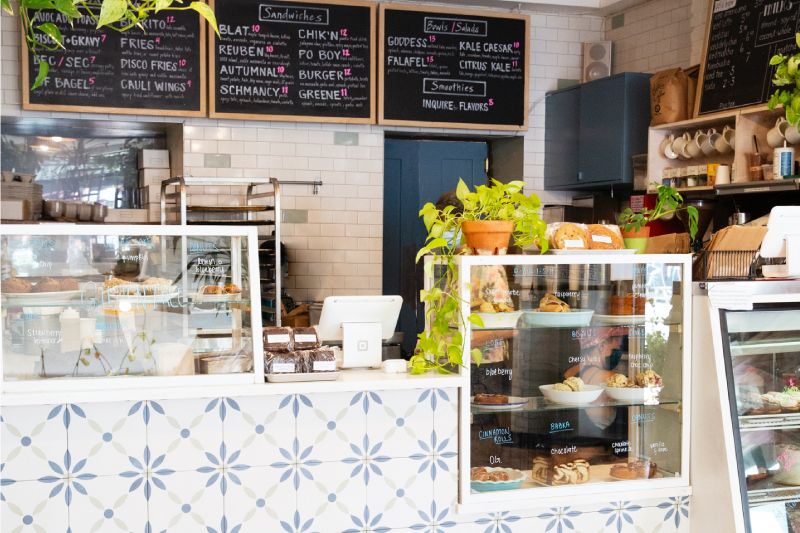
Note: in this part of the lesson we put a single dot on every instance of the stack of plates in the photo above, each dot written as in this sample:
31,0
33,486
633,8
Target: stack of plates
16,190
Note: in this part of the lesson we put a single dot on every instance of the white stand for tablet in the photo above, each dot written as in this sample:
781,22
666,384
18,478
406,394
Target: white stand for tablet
783,240
361,344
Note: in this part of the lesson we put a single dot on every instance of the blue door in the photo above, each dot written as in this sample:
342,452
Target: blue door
416,172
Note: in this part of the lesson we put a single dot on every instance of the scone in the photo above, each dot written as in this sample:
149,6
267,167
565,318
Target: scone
569,236
212,289
575,384
603,238
648,378
231,288
16,285
47,285
551,304
617,381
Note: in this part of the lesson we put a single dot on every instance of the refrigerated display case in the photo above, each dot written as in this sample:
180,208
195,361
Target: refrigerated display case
87,307
755,330
581,387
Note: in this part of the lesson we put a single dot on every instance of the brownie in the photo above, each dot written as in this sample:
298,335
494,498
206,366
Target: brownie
281,363
321,360
277,339
305,338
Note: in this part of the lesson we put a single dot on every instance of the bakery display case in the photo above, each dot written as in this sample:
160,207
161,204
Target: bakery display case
581,386
85,306
757,349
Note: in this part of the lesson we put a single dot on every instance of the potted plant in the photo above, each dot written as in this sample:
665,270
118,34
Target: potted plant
439,347
634,224
118,15
787,75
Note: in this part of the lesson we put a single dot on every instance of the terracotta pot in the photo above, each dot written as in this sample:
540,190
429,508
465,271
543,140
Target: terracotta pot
487,237
643,233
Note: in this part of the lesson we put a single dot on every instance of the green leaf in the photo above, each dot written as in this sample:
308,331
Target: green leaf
162,4
44,68
111,11
7,7
52,31
461,190
68,8
207,13
475,320
476,356
797,39
777,59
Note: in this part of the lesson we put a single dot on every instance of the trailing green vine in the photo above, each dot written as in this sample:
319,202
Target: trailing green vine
119,15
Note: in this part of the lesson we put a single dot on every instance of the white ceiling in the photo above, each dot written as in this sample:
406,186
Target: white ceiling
588,7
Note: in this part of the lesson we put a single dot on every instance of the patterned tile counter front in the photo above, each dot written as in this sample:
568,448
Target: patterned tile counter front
355,461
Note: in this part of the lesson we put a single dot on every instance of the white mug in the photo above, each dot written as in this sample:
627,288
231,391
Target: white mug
724,143
792,135
723,175
777,134
695,146
680,146
666,147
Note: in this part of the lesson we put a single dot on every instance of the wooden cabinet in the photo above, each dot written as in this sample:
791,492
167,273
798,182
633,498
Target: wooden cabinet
592,130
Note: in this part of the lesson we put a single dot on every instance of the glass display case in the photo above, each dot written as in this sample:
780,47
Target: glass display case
761,349
581,386
86,304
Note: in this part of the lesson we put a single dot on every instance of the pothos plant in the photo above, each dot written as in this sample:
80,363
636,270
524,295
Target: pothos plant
669,202
119,15
787,78
440,346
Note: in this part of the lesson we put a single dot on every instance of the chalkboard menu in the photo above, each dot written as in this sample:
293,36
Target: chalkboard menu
741,38
287,60
453,68
159,70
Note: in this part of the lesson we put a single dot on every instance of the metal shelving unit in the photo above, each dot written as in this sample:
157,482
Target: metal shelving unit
176,198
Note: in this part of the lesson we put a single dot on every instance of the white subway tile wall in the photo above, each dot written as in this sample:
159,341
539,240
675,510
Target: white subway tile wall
658,35
339,249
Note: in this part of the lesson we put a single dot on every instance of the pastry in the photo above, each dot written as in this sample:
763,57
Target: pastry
617,381
635,470
277,339
648,378
231,288
490,399
155,285
575,384
562,387
551,304
305,338
790,406
541,470
569,236
16,285
68,284
480,473
211,289
113,282
603,238
47,285
573,473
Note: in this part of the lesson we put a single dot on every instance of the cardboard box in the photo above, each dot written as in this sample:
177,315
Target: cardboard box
126,216
149,158
153,176
16,210
150,195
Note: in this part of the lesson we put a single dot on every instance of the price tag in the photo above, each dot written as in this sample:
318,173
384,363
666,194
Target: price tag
275,339
283,368
601,238
324,366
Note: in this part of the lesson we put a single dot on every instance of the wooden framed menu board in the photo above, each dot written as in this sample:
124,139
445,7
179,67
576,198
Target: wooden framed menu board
290,60
462,68
741,37
158,71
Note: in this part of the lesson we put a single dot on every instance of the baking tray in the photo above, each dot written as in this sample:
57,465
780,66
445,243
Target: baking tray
307,376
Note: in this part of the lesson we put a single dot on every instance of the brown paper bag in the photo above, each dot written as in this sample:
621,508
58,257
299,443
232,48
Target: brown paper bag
732,250
672,243
668,96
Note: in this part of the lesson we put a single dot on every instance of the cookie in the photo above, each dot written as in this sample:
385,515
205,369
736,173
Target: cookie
570,236
603,238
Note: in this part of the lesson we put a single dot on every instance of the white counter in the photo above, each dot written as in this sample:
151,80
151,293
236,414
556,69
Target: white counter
146,388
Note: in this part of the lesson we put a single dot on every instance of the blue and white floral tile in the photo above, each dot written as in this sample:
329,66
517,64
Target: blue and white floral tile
106,436
400,492
337,492
330,422
260,501
445,419
183,430
27,506
109,506
400,419
259,427
189,501
445,486
30,436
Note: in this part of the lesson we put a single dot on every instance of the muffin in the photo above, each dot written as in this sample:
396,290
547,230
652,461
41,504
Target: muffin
575,384
47,285
16,285
617,381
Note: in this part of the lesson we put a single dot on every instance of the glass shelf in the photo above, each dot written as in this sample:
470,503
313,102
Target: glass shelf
540,404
